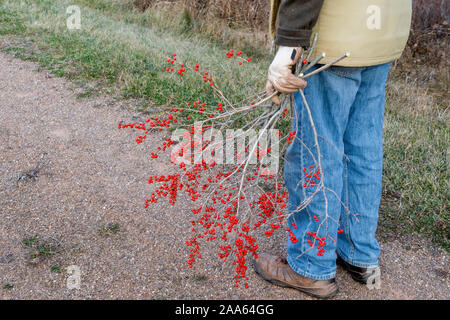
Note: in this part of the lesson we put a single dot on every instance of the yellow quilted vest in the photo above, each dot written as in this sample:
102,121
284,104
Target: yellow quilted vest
372,31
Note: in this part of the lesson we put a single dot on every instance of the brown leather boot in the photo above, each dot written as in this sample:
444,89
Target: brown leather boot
277,271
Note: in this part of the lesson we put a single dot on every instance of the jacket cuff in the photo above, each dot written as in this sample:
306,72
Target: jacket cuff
290,38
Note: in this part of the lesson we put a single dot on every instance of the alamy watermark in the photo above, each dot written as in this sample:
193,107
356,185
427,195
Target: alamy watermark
74,278
374,280
374,19
73,22
235,147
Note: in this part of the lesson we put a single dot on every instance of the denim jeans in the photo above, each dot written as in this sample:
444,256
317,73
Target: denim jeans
347,106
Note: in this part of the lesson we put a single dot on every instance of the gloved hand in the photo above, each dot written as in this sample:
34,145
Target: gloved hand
280,76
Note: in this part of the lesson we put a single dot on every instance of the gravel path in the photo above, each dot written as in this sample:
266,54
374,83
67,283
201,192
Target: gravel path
69,177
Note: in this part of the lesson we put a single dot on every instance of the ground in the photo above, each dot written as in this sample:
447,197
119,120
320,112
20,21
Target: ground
72,189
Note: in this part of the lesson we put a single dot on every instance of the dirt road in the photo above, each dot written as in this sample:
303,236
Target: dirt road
73,185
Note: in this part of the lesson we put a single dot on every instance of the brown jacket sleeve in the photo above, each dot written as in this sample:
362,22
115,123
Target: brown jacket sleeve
296,18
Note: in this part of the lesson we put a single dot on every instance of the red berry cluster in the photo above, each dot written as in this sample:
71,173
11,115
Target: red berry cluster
206,77
270,208
219,220
214,186
171,61
241,61
320,242
310,182
292,237
291,137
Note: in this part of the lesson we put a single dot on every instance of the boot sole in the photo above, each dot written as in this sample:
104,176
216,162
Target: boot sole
286,285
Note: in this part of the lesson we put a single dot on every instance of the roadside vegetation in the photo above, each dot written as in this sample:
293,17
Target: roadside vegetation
122,48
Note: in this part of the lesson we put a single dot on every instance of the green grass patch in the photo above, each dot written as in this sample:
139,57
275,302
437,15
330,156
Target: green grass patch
416,176
10,22
55,268
39,248
8,286
118,49
109,229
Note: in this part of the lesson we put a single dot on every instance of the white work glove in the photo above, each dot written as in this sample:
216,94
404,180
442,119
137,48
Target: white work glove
280,76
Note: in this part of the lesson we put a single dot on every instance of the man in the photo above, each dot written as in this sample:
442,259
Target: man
347,106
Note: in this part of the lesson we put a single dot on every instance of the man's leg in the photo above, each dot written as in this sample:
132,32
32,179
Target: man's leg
330,95
363,145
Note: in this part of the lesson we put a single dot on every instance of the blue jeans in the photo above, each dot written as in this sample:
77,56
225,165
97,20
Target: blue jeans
347,106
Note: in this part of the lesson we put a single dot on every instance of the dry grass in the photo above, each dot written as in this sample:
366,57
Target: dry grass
425,57
232,22
236,13
246,23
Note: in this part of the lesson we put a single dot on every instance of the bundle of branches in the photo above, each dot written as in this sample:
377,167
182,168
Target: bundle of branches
240,193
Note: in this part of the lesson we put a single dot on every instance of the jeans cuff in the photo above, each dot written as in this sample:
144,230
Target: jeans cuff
307,274
356,263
